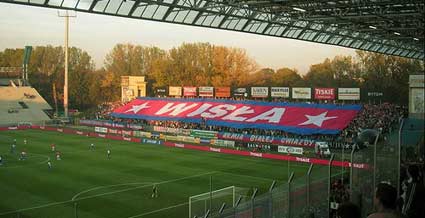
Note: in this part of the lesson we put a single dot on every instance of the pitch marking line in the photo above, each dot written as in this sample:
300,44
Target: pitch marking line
110,186
107,193
242,175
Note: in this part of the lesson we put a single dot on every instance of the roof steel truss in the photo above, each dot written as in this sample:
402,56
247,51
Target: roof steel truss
394,27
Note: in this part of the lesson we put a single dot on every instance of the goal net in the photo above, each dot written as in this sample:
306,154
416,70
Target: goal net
200,204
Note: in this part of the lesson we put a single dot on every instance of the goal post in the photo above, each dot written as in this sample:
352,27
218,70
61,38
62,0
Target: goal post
200,204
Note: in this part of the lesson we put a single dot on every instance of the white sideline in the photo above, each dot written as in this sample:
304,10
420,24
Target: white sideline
159,210
103,194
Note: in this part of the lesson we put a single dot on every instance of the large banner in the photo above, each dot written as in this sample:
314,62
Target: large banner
348,93
175,91
301,93
222,92
279,92
297,118
267,139
189,91
259,92
324,93
206,91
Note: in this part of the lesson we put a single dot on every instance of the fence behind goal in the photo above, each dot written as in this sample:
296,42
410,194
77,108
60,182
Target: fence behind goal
200,204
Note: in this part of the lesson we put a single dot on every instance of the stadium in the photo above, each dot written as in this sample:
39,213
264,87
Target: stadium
200,130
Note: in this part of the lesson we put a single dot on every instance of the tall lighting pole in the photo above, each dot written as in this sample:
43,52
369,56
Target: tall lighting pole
65,85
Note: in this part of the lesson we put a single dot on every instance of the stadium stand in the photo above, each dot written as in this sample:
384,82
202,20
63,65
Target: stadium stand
22,104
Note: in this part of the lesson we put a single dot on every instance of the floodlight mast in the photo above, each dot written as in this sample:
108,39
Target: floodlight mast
65,85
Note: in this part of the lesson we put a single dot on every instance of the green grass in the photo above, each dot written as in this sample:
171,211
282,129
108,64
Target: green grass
119,187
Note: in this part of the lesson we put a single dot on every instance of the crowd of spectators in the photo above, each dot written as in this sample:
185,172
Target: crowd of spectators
382,117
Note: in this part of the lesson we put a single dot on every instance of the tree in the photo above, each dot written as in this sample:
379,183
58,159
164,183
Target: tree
388,74
320,75
130,60
287,77
263,77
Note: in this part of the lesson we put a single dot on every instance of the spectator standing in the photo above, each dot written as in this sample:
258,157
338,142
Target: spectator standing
385,202
414,197
348,210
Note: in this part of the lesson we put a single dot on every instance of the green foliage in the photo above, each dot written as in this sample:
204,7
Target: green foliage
202,64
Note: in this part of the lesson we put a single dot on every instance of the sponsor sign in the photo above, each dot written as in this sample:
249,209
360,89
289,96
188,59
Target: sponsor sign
189,91
115,131
348,93
205,141
279,92
259,92
301,93
417,81
375,94
188,139
215,149
127,132
175,91
161,91
259,146
179,145
170,137
151,141
295,118
223,143
203,134
417,101
101,129
135,126
206,91
145,134
171,130
290,150
222,92
159,129
240,92
256,154
324,93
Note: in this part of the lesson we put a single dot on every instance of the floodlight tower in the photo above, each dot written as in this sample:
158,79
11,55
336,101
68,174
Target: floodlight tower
65,85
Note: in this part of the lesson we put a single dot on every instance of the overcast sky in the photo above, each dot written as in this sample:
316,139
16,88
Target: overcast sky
97,34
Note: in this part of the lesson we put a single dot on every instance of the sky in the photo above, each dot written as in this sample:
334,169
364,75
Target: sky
97,34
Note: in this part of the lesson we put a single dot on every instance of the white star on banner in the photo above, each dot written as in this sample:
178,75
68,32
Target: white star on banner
137,108
317,120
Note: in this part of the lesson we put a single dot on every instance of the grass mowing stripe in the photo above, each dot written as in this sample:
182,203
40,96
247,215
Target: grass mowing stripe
37,163
82,170
159,210
107,193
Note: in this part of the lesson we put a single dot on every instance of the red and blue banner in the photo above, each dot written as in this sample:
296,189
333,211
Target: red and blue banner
299,118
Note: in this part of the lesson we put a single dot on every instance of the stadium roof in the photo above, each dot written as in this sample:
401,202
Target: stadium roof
393,27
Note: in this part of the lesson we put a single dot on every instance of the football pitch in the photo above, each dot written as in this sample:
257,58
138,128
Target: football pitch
85,183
